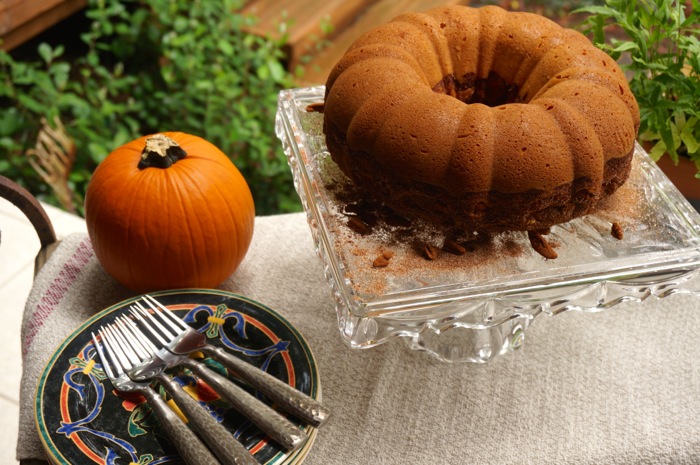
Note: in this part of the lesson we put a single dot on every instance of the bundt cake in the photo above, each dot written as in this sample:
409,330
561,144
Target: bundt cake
481,119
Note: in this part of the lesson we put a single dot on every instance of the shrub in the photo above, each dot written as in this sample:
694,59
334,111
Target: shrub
147,66
663,65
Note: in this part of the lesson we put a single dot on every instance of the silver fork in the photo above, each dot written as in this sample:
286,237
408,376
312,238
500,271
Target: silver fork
186,339
183,438
267,419
142,366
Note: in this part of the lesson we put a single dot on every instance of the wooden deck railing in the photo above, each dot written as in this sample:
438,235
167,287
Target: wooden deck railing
318,31
20,20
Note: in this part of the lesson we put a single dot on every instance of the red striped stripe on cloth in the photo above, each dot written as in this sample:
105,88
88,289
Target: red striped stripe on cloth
57,290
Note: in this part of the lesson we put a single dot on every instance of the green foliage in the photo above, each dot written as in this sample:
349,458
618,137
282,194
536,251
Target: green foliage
662,52
151,66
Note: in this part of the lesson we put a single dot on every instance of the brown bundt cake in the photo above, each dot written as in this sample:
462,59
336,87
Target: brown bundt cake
481,119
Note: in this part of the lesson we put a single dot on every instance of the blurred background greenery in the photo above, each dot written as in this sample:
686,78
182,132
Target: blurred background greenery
121,69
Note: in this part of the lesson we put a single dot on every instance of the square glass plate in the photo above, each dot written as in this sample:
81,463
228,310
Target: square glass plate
475,306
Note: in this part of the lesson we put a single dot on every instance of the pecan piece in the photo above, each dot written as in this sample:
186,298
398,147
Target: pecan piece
617,231
315,107
357,225
541,246
380,262
430,252
453,247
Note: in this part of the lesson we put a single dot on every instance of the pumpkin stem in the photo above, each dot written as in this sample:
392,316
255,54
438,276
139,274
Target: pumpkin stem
160,152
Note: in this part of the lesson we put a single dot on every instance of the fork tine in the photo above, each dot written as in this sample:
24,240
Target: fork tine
103,358
125,347
161,311
146,343
127,332
136,312
157,323
118,358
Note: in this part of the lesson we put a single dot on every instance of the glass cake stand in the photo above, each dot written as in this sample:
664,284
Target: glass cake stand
476,306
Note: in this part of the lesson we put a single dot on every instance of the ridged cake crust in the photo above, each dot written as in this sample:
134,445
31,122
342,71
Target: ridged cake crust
481,119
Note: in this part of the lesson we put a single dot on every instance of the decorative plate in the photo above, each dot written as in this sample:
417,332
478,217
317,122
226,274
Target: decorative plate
82,419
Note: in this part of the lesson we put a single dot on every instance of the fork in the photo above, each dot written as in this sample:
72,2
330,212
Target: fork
187,339
183,438
267,419
142,366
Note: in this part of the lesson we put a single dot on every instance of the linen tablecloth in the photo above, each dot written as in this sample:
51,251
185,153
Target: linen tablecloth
617,387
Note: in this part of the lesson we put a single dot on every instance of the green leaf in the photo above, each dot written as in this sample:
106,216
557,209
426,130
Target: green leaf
10,122
276,70
45,52
687,135
658,150
60,73
31,104
679,119
626,46
225,47
263,73
667,136
58,51
596,10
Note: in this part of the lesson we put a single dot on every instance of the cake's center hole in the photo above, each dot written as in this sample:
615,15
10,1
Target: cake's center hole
492,91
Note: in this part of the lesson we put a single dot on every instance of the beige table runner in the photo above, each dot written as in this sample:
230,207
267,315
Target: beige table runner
618,387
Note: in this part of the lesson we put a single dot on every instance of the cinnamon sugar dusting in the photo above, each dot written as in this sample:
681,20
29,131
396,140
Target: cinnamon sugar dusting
383,251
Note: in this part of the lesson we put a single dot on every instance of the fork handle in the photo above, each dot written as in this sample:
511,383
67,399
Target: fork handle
225,446
190,448
285,396
267,419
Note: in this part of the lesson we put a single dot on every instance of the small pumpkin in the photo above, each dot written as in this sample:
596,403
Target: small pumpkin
169,211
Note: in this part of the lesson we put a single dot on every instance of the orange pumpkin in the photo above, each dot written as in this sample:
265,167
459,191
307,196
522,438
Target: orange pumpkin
169,211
